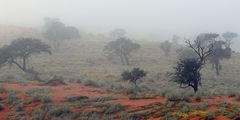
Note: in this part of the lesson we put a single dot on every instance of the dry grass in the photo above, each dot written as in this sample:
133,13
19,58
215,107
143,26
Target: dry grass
84,59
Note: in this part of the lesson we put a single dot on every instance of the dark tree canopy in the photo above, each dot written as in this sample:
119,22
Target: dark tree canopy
117,33
121,47
166,47
56,31
220,51
229,36
20,50
134,75
188,71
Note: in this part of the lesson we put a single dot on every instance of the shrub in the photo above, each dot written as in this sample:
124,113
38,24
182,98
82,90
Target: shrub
36,114
210,116
171,104
203,106
2,89
46,106
133,76
77,98
39,98
12,97
113,108
226,113
100,99
92,83
35,91
173,96
60,111
19,107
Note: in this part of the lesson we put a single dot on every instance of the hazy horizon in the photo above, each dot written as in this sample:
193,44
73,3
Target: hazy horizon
147,19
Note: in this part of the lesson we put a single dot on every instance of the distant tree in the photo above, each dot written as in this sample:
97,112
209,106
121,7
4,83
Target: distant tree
166,47
56,31
188,71
20,50
229,36
175,39
219,52
117,33
134,75
121,47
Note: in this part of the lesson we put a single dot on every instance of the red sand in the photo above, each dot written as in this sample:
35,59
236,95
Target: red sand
4,112
59,93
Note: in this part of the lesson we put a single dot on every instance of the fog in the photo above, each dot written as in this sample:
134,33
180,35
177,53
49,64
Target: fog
143,19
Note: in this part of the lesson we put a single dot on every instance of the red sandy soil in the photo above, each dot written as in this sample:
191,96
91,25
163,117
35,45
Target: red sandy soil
220,99
141,102
3,114
59,93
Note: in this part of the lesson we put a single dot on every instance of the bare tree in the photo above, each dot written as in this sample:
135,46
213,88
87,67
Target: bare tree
188,71
20,50
121,47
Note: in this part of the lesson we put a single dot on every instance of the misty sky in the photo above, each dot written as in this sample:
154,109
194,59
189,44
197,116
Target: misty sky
151,18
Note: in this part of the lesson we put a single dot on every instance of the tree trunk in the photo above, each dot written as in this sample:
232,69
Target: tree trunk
19,66
195,86
126,59
213,67
217,67
24,63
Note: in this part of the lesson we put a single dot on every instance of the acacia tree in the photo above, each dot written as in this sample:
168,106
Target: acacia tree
229,36
166,47
117,33
219,52
20,50
188,71
134,75
121,47
56,31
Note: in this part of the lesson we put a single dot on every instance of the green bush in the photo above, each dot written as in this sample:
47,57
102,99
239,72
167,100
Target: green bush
60,112
203,106
210,116
171,104
36,114
2,89
19,107
173,96
12,97
92,83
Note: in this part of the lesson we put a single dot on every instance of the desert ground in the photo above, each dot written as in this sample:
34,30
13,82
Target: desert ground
79,82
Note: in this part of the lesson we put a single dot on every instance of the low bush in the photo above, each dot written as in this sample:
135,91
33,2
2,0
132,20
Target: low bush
12,97
92,83
173,96
60,112
203,106
210,116
19,107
